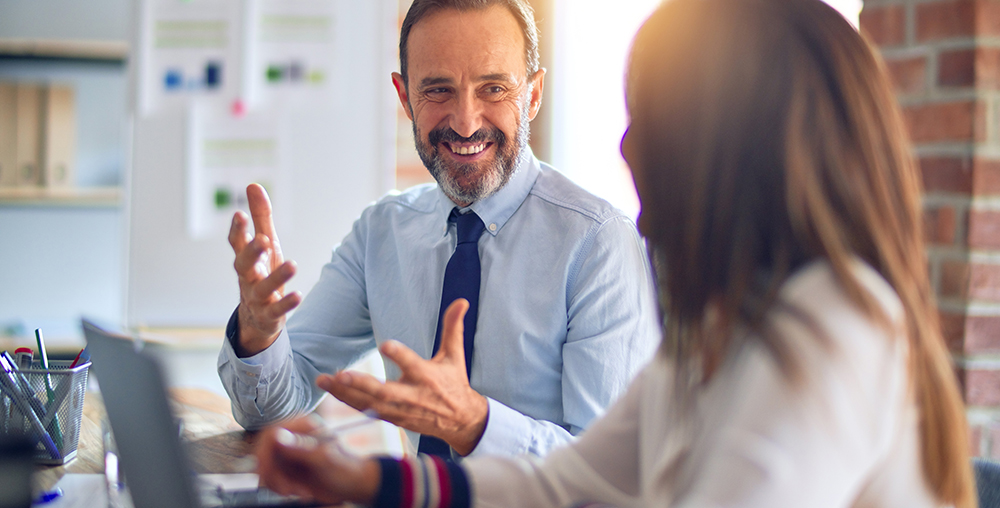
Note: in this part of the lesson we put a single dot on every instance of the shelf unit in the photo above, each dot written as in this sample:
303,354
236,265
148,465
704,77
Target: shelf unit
107,197
63,49
100,52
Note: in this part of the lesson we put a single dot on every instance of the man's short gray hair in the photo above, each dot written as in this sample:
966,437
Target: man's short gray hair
522,12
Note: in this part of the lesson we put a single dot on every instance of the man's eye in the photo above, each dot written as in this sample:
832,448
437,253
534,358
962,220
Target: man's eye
437,94
493,92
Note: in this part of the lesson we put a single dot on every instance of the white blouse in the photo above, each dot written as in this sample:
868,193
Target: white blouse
846,436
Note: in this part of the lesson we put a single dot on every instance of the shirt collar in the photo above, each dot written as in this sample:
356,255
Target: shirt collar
496,209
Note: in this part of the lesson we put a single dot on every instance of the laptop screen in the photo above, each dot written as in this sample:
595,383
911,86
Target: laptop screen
146,433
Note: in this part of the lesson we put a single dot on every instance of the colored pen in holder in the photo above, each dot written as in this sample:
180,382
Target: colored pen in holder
46,405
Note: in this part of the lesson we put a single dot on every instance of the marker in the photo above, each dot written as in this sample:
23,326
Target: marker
23,355
8,384
82,356
48,385
48,496
29,394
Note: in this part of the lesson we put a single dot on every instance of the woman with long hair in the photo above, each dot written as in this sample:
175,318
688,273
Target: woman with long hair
802,362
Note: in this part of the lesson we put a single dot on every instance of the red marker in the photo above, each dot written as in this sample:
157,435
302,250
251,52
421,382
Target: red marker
23,356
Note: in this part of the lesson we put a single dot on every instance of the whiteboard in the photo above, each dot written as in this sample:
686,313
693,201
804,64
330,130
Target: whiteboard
337,156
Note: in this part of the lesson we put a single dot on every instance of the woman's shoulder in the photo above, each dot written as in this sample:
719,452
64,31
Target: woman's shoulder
816,289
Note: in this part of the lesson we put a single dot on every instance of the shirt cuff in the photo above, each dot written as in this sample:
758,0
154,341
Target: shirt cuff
248,371
507,432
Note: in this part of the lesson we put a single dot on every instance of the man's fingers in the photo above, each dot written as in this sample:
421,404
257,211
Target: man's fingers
238,235
275,282
364,392
410,363
335,385
251,255
278,309
452,332
263,223
260,210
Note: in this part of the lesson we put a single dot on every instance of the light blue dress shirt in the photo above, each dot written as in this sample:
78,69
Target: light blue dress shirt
567,313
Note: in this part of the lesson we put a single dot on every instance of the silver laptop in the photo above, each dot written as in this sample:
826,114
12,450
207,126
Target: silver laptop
147,435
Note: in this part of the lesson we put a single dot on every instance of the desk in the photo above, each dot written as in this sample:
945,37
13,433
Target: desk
218,444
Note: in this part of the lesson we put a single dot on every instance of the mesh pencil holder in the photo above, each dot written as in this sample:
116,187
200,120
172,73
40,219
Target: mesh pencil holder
47,407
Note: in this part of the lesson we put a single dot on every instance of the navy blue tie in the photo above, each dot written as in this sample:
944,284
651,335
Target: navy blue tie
461,280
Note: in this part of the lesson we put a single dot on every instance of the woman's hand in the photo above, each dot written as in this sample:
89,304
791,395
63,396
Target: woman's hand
296,459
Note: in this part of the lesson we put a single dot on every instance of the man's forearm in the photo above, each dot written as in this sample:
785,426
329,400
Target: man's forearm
265,388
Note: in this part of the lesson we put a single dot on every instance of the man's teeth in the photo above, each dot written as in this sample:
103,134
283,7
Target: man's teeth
468,150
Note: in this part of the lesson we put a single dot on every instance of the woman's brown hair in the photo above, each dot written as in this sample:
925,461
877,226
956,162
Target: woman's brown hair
768,136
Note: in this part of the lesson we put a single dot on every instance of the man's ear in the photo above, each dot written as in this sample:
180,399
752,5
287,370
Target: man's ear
404,98
537,86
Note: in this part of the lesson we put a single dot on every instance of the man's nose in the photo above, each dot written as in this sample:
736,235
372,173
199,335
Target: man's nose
468,115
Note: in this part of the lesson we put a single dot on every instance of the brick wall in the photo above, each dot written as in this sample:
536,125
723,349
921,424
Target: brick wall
944,59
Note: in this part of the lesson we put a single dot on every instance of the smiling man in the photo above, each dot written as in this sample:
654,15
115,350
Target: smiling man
558,307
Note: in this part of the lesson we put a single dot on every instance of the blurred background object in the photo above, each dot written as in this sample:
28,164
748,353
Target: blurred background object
16,467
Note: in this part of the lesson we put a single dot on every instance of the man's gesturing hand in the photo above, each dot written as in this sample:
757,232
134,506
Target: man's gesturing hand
431,397
262,275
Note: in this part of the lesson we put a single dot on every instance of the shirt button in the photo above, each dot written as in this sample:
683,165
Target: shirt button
251,374
493,226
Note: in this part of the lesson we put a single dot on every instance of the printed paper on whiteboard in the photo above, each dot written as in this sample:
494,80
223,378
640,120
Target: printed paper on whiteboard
190,51
225,154
293,54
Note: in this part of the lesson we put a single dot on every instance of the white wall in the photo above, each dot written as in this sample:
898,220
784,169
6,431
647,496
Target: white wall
58,263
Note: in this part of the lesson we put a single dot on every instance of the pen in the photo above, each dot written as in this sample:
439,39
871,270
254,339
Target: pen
48,383
9,385
25,386
84,355
48,496
324,433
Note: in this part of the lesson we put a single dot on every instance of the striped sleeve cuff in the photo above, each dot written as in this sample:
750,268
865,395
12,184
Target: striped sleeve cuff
421,481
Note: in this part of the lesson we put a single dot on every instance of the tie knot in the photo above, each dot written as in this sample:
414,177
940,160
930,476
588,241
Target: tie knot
470,227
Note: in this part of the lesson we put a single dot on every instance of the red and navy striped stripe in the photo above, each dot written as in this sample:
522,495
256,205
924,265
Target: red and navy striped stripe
424,481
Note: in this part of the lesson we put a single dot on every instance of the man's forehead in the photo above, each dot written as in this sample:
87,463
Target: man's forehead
480,44
501,77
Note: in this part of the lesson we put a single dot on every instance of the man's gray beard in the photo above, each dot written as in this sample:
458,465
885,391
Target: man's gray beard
502,167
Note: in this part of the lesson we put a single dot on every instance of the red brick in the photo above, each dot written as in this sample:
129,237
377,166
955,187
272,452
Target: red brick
987,17
954,279
884,25
984,282
984,229
982,334
986,177
942,20
950,121
979,67
982,387
957,68
939,225
987,68
994,433
909,76
975,438
953,330
947,174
